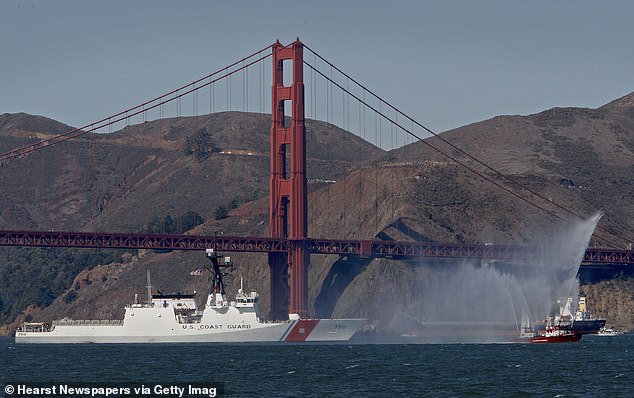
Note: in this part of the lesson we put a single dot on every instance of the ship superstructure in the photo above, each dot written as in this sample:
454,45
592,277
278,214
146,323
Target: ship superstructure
578,320
584,322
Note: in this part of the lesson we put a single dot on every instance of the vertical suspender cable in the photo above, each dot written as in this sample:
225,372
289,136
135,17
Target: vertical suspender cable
376,179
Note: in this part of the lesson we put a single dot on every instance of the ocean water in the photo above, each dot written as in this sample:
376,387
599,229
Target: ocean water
596,366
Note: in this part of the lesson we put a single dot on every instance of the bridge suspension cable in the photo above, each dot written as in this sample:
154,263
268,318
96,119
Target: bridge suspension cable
410,132
142,108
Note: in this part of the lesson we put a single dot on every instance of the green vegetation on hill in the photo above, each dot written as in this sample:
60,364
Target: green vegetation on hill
171,225
200,145
36,276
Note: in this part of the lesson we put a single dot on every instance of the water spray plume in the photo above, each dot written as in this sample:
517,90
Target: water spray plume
488,300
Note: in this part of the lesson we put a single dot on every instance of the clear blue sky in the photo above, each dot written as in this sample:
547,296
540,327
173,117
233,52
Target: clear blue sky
447,63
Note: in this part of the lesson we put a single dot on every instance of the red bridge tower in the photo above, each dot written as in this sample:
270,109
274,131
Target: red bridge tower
288,195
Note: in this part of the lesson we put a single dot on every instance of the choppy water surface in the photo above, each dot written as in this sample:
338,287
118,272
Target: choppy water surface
597,366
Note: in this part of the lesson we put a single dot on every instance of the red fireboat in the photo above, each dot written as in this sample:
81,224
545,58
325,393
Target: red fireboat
555,333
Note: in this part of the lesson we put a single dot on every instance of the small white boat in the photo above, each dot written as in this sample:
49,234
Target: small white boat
608,332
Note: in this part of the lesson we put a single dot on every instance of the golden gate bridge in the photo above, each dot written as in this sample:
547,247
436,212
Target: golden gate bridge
288,244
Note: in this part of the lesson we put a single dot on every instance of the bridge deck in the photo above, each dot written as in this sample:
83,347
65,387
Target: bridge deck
367,248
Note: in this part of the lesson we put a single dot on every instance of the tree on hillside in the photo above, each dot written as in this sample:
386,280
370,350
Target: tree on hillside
169,225
222,212
190,219
199,144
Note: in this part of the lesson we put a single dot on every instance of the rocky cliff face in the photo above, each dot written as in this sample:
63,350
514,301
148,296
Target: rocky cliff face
612,300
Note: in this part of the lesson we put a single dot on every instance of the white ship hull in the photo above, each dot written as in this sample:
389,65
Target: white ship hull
325,330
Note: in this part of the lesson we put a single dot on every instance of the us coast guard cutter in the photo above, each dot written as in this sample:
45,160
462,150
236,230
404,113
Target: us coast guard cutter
175,318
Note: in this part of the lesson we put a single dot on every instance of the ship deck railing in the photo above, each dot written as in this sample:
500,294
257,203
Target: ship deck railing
87,322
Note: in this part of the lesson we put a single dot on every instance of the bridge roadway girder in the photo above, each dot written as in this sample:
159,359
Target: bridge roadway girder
140,241
366,248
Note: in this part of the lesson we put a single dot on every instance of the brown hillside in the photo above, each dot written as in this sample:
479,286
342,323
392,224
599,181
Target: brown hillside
120,181
580,158
25,125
